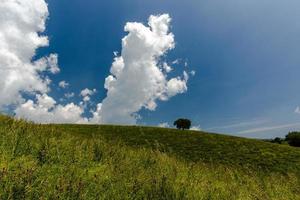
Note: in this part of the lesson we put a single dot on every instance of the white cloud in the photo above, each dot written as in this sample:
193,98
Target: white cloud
87,93
69,95
175,61
63,84
176,85
44,101
45,110
21,23
195,128
117,66
96,114
137,80
166,67
193,72
49,63
164,125
109,81
86,98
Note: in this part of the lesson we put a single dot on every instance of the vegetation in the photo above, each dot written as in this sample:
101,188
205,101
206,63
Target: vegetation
293,138
115,162
183,124
278,140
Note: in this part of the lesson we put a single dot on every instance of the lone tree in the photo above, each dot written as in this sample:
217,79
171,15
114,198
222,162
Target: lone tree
183,123
293,138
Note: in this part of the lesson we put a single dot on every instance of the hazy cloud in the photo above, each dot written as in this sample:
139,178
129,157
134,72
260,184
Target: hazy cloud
164,125
195,128
269,128
297,110
63,84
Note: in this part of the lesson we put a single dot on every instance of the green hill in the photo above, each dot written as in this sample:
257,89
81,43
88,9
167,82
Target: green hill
132,162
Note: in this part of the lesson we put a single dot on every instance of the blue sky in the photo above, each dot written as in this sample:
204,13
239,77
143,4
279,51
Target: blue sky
245,54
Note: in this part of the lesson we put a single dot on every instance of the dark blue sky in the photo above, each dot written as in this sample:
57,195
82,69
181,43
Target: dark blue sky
245,54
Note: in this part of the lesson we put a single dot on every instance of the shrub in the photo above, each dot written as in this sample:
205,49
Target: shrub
277,140
293,138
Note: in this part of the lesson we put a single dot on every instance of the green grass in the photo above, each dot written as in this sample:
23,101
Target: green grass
200,147
128,162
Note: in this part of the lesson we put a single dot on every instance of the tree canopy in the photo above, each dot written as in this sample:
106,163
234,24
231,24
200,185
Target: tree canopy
293,138
183,123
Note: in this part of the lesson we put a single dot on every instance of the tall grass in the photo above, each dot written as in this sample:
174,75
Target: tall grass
44,162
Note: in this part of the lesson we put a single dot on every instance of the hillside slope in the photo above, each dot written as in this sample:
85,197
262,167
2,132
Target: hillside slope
131,162
200,146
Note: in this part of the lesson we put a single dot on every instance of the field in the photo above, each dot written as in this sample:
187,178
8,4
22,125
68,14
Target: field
132,162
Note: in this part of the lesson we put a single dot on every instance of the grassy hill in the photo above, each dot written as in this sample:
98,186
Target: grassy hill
132,162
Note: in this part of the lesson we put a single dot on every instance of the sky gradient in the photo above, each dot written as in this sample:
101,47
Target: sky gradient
244,54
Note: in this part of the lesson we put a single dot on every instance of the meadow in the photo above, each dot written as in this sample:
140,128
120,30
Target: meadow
133,162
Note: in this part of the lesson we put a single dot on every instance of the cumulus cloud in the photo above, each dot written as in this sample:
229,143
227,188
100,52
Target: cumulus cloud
45,110
21,23
21,26
87,93
48,63
137,79
96,115
176,85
